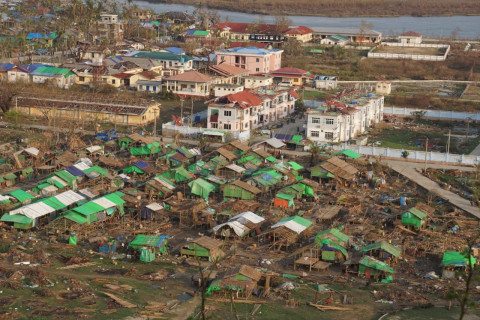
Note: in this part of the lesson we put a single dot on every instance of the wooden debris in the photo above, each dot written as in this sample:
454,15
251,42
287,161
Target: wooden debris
406,230
255,308
120,301
74,266
327,307
238,301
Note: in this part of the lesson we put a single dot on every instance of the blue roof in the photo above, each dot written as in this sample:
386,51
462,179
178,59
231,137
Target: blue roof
249,50
175,49
74,171
190,32
6,66
34,66
33,35
284,137
141,164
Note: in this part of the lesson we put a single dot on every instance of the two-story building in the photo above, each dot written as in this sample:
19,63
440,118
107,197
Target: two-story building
250,109
177,63
190,83
344,118
255,60
295,76
110,27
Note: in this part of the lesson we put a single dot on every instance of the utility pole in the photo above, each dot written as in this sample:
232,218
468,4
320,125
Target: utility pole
191,114
426,152
468,126
448,142
155,122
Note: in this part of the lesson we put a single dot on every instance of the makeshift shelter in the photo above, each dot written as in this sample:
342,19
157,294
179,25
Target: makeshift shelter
418,216
242,279
201,187
156,244
333,234
65,159
240,189
284,200
286,232
203,247
320,173
9,179
340,168
372,268
151,211
227,154
383,251
21,196
330,250
159,186
240,225
453,261
347,153
96,210
178,175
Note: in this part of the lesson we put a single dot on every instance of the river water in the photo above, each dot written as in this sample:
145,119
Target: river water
465,27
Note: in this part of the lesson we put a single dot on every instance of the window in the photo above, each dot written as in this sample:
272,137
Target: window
113,81
314,134
246,125
227,126
257,69
315,120
329,121
227,113
329,135
81,79
214,125
258,60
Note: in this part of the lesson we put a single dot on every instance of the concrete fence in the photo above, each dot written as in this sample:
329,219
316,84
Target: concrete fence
438,114
170,130
413,154
387,55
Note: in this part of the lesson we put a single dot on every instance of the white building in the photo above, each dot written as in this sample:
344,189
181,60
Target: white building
383,87
325,82
221,90
110,27
248,110
410,37
253,82
344,118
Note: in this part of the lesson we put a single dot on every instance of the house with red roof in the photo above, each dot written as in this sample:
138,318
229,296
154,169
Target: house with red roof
410,37
295,76
190,83
301,33
250,109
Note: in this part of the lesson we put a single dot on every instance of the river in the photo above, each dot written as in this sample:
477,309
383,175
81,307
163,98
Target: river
465,27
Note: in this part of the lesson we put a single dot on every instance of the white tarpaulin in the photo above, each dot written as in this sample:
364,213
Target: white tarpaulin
69,197
164,183
155,206
34,210
247,216
235,168
105,203
236,226
93,149
3,198
82,166
61,181
32,150
292,225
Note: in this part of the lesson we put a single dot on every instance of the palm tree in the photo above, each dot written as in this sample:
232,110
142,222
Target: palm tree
314,152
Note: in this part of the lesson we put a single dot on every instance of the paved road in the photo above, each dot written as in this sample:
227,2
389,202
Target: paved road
407,169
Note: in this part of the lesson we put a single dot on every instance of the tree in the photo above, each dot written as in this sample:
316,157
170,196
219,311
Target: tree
405,154
299,106
463,297
314,152
418,115
292,47
282,23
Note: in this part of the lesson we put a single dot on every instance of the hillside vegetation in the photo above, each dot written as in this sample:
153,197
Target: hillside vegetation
342,8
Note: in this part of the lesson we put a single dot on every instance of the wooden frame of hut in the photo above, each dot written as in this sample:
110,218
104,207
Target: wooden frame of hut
239,226
286,232
242,279
203,247
240,189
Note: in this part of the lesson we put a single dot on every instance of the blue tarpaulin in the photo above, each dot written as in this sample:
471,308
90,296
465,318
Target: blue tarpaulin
141,164
74,171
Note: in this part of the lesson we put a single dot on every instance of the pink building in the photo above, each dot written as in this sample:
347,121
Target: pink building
255,60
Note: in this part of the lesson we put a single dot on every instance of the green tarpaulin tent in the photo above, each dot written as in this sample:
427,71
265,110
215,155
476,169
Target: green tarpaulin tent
456,259
21,195
133,169
146,255
349,153
201,187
